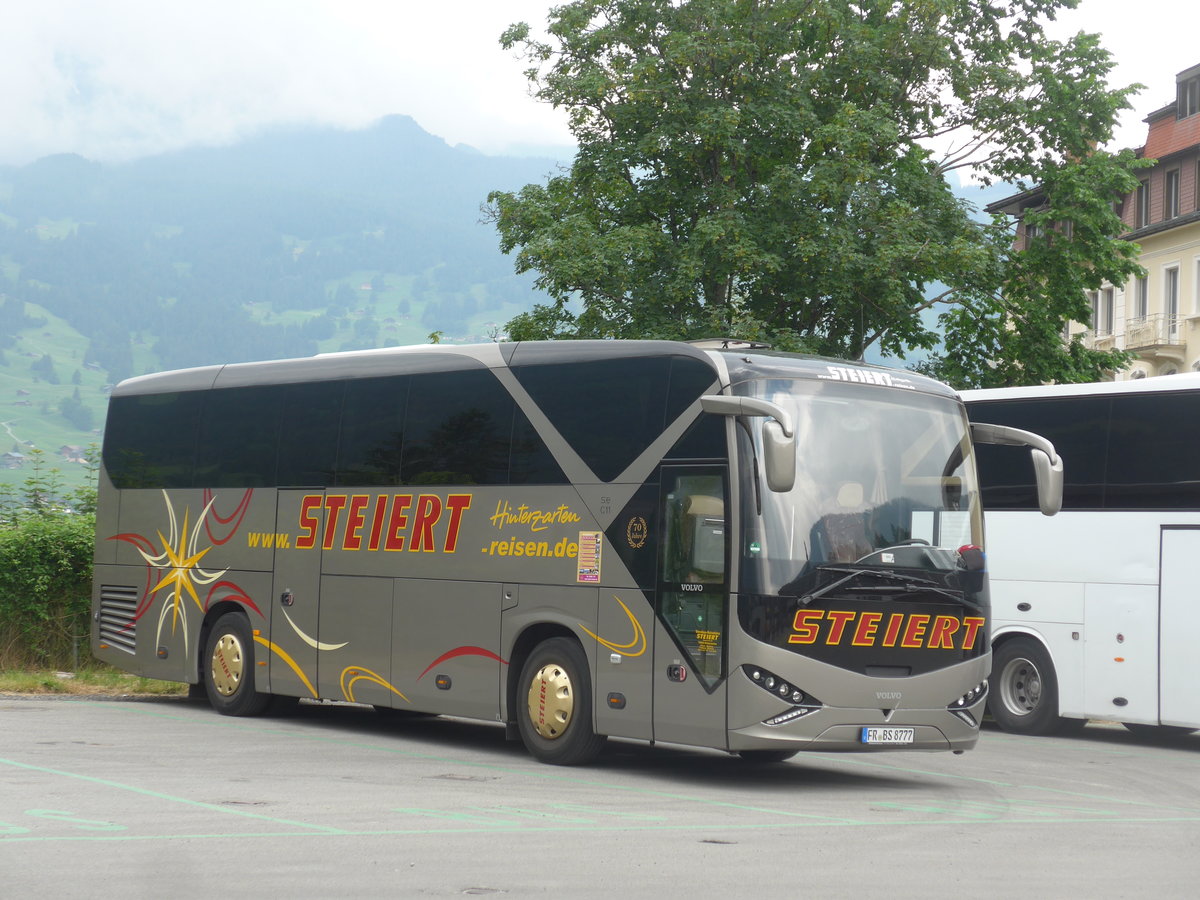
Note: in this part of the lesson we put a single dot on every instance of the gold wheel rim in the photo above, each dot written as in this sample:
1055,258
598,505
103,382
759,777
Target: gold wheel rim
228,665
551,701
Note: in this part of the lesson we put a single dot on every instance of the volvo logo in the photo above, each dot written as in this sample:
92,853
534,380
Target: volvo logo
888,695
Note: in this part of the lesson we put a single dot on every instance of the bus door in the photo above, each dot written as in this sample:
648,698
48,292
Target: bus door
1179,624
692,600
296,598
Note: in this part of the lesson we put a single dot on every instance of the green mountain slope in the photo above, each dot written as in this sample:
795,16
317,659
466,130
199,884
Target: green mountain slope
289,244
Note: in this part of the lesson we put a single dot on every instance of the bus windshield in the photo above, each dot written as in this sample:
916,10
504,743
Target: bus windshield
885,481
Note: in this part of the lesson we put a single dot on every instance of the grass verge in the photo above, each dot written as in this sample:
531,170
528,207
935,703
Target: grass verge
91,682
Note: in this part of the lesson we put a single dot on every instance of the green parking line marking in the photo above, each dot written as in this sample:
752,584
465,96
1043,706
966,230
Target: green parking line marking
158,795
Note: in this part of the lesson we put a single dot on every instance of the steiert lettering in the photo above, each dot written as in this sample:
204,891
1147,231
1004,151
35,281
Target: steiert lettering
876,629
425,522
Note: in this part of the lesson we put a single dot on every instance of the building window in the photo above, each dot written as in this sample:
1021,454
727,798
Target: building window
1189,97
1171,298
1104,321
1102,311
1142,205
1142,299
1032,233
1171,194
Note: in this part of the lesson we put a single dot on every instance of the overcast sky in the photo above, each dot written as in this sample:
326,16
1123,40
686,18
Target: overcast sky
118,79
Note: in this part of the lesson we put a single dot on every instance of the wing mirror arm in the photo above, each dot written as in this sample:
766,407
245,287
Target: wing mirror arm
1047,464
778,435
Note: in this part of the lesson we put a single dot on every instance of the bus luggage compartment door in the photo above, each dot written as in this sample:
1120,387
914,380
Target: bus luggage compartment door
1179,623
295,604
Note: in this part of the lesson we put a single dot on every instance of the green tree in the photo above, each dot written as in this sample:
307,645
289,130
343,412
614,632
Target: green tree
44,368
75,411
768,170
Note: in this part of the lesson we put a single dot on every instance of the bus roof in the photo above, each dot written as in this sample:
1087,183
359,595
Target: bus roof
740,362
395,361
759,364
1186,381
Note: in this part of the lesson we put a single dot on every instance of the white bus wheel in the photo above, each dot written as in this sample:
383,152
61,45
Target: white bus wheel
1024,689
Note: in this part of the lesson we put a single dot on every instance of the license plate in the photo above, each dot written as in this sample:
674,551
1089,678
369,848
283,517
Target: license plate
888,735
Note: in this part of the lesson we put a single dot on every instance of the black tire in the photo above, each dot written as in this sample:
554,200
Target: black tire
229,668
766,757
1157,732
554,704
1023,690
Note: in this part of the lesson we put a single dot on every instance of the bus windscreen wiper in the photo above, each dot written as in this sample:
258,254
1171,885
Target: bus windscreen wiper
901,583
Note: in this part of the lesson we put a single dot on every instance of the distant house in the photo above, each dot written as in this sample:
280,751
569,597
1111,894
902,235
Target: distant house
1157,316
12,460
71,452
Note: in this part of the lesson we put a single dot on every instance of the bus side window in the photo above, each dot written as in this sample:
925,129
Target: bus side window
150,439
308,436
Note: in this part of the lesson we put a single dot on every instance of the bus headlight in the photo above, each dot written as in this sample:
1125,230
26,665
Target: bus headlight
768,681
959,707
796,712
802,702
971,697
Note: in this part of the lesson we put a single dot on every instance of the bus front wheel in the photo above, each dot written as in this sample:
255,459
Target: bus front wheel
1024,689
229,668
555,704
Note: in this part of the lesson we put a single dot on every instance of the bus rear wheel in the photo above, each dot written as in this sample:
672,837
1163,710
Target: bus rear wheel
1024,689
229,668
555,704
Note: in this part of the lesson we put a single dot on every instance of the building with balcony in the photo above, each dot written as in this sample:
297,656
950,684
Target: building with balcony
1157,316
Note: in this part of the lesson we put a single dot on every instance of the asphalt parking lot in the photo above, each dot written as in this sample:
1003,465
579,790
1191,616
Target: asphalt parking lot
164,798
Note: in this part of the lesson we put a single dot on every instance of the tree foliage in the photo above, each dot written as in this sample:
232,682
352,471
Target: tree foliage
45,589
780,170
47,537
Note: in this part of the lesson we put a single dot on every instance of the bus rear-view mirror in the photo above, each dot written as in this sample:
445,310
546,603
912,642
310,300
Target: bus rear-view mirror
778,437
1047,464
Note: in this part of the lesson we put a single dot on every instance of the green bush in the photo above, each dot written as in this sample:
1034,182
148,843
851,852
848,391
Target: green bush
46,543
45,590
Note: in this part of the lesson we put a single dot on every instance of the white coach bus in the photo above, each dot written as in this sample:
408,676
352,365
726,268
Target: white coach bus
1097,610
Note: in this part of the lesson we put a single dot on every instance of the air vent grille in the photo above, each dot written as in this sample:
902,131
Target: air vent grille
118,611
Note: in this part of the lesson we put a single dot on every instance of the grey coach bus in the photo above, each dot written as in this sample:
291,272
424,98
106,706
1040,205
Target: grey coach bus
710,544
